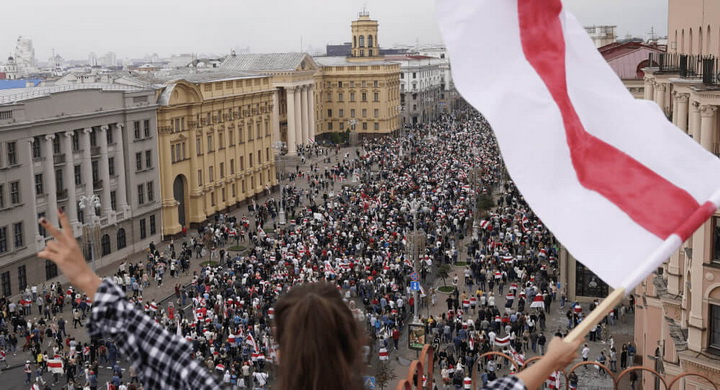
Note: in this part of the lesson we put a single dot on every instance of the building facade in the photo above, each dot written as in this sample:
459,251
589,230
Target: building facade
216,138
678,313
421,88
58,144
360,93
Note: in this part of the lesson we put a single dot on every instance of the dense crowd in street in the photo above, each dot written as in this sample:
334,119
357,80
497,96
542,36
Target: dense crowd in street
366,221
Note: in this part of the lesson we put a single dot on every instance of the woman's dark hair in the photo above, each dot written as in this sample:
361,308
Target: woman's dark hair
320,340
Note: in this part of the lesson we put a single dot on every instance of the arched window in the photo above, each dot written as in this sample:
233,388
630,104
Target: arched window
121,239
708,41
354,42
105,244
700,41
370,41
690,42
362,41
682,41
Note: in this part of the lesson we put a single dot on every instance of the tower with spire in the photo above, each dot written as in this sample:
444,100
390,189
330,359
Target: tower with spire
364,38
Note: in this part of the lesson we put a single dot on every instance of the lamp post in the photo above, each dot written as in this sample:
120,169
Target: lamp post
279,146
414,251
352,122
90,229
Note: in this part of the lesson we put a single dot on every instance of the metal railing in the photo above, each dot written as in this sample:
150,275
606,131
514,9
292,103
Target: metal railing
697,67
420,373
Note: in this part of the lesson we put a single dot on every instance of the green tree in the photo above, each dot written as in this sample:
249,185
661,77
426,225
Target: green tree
384,374
444,272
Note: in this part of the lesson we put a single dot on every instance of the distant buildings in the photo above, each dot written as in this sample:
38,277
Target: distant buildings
63,142
602,35
628,60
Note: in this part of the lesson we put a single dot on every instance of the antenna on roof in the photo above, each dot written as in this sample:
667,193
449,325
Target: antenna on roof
364,11
652,33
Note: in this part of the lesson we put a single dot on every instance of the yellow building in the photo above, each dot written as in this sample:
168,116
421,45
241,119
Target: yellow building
359,93
215,143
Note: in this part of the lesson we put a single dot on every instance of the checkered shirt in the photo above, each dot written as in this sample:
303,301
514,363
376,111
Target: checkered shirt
506,383
163,360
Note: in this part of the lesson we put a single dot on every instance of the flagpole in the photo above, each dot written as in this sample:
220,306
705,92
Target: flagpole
596,315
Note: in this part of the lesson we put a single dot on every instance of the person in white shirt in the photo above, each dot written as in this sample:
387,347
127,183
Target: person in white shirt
585,354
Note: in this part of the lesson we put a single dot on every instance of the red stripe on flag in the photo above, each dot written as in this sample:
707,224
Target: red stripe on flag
647,198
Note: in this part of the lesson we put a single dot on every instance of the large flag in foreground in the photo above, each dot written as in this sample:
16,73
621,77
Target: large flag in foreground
615,181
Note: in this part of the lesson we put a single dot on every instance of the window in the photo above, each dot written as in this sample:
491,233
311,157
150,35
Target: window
76,141
376,83
95,172
150,192
6,288
78,175
212,198
267,154
153,229
242,163
36,149
364,126
222,170
15,192
231,137
138,161
414,75
259,156
376,96
251,160
51,270
113,200
364,96
376,113
232,166
258,131
341,126
364,112
11,153
105,245
22,277
39,190
93,139
6,115
377,126
2,196
211,174
141,194
148,159
209,143
80,215
59,184
352,96
234,192
109,135
3,239
588,284
121,243
111,166
146,127
136,128
329,112
341,113
198,146
41,229
242,185
200,178
221,140
340,84
363,83
716,240
330,126
352,113
341,97
714,331
143,229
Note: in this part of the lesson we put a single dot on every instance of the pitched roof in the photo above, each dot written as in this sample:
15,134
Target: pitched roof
264,62
21,94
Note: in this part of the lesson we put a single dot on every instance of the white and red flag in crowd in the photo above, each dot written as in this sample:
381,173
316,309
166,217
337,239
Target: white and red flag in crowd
615,181
502,341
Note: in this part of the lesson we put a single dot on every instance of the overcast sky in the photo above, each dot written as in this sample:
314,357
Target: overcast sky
135,28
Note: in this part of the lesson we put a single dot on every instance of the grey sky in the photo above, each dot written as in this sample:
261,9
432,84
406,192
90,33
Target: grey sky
134,28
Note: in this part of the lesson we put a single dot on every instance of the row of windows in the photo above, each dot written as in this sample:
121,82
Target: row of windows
18,238
341,97
141,132
238,83
364,126
15,198
139,160
242,186
351,84
22,280
241,166
364,113
121,241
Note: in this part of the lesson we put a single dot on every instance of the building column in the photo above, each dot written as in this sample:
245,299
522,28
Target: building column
694,119
87,169
304,115
49,178
276,117
311,110
291,143
69,178
649,89
298,116
120,166
33,195
660,96
104,171
707,114
681,110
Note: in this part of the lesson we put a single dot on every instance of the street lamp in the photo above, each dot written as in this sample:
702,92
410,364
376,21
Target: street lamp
414,207
352,122
90,229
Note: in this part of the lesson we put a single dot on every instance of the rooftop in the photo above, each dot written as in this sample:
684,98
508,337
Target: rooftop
263,62
21,94
342,61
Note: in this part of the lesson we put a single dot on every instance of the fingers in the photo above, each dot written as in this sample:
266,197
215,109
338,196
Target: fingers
66,226
57,234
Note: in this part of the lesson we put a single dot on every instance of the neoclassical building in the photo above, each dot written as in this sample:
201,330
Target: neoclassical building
215,142
678,313
61,143
294,77
359,93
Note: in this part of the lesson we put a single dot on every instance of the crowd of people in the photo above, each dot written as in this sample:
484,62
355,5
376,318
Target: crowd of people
365,222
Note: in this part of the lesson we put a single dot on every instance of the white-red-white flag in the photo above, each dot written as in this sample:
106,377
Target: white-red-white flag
502,341
615,181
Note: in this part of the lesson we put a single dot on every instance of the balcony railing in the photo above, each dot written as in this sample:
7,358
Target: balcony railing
701,68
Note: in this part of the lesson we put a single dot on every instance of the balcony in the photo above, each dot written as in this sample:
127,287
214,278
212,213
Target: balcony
95,151
97,185
690,67
59,159
62,194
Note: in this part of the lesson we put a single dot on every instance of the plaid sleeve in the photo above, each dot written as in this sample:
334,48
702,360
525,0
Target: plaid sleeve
162,359
506,383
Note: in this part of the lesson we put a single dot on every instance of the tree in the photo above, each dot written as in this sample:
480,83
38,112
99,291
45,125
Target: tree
384,374
444,272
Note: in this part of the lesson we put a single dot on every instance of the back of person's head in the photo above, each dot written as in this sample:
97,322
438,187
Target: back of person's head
320,340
